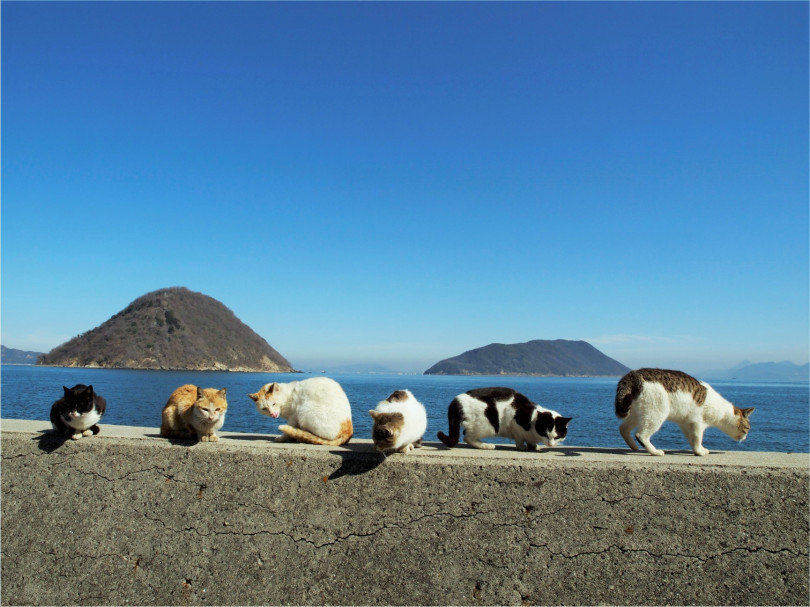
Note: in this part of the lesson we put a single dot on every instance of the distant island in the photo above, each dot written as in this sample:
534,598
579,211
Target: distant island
539,357
12,356
172,328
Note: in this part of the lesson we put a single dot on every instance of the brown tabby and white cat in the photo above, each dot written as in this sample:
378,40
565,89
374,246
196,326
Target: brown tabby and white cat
193,413
646,398
399,423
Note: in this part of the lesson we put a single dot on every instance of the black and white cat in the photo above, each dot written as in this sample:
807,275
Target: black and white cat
78,412
504,412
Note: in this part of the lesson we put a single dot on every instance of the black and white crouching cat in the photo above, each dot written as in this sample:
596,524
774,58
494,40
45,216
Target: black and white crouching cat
646,398
78,412
502,412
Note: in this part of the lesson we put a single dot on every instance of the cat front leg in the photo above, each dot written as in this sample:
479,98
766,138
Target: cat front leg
76,436
87,432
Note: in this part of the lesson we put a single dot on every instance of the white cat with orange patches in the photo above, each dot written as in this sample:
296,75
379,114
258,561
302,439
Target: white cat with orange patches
646,398
400,422
317,410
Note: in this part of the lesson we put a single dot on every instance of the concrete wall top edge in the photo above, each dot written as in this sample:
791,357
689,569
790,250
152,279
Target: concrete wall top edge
435,453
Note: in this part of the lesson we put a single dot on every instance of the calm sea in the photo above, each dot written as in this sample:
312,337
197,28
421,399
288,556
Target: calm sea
136,398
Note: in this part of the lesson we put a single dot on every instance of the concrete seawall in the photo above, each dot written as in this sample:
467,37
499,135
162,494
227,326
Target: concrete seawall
128,518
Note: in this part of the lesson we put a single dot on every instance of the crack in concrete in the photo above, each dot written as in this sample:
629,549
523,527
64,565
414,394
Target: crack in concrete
701,559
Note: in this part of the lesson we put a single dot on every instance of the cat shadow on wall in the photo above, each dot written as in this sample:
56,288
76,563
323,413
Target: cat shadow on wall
183,442
355,460
50,441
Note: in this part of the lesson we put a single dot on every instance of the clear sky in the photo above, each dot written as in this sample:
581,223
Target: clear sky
397,183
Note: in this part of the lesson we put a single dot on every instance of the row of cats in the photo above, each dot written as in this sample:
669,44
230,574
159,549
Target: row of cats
317,411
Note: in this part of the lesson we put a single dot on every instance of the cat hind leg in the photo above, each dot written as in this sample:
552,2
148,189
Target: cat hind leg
626,430
474,442
646,429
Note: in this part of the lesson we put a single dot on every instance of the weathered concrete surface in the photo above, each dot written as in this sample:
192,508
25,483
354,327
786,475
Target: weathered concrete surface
129,518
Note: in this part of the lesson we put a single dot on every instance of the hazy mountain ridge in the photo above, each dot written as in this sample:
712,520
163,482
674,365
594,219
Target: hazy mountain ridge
13,356
172,328
539,357
769,371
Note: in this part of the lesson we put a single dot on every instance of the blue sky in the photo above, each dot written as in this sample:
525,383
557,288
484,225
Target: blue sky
397,183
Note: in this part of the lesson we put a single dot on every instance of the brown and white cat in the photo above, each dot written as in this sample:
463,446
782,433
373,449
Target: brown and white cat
485,412
646,398
78,412
399,423
193,413
317,410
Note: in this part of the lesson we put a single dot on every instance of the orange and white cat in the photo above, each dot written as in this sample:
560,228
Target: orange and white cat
317,410
193,413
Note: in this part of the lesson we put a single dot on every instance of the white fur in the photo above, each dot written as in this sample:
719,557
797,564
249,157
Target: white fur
476,425
318,405
82,422
206,419
655,405
415,422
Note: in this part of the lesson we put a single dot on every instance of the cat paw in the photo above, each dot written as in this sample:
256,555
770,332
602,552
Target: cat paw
700,451
212,438
656,452
87,432
76,436
478,445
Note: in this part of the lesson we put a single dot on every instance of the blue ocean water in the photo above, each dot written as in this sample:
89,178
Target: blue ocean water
781,421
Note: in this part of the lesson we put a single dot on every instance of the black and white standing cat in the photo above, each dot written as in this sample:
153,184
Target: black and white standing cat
485,412
646,398
78,412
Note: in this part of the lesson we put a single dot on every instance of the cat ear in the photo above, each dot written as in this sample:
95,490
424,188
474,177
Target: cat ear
373,413
254,397
89,389
747,412
565,420
222,392
66,389
200,392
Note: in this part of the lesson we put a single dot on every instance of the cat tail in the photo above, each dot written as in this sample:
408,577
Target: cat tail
304,436
627,391
454,417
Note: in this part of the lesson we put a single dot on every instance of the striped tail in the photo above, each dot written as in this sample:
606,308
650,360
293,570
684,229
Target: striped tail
304,436
627,391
